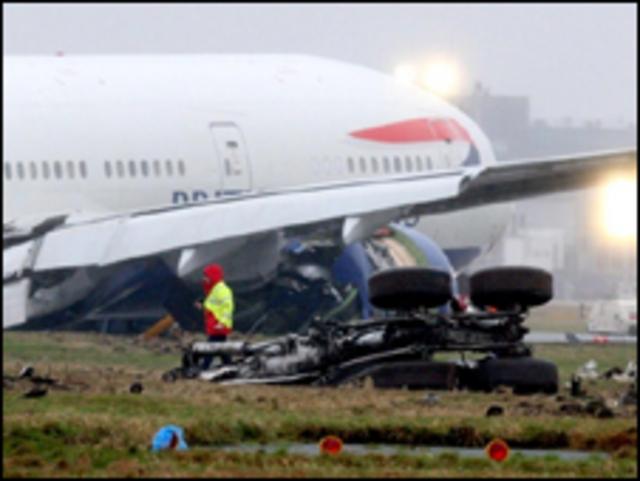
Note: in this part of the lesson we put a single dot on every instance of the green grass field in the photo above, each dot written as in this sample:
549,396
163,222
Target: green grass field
98,428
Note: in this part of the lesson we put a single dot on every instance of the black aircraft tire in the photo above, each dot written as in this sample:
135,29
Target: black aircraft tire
409,288
524,374
505,287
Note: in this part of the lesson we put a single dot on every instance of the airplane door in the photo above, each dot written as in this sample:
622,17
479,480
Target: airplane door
234,161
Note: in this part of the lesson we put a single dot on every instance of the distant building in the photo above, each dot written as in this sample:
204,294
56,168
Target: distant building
545,139
555,232
505,119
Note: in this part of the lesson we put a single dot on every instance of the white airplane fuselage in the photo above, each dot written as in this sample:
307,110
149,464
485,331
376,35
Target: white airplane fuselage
145,131
93,135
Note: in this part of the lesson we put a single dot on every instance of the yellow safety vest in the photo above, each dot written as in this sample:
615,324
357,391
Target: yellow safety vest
220,303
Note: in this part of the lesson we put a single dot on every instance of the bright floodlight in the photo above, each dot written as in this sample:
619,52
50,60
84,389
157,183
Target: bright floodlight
442,78
620,208
406,74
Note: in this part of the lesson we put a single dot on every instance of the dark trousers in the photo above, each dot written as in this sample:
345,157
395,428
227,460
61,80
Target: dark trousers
207,359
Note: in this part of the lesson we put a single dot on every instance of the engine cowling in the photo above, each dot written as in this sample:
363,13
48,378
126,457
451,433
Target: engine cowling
395,246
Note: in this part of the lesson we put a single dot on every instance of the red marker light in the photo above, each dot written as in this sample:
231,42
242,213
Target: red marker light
331,445
497,450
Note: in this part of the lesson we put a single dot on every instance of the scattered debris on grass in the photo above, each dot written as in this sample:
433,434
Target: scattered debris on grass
528,409
571,408
628,375
136,388
630,396
589,370
494,410
26,372
36,392
431,399
611,371
93,431
576,386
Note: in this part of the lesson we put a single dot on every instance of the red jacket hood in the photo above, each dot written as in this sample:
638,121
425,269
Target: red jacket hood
214,274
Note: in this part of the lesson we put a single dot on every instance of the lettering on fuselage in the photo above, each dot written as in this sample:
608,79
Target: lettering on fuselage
197,195
184,197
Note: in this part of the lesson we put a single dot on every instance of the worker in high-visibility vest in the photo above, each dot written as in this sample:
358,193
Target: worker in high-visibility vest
218,309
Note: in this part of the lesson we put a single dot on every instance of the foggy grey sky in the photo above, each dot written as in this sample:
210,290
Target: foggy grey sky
572,60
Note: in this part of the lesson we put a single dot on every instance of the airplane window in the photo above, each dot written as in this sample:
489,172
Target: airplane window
181,168
20,170
7,170
374,164
397,163
33,169
169,167
46,170
419,165
120,168
71,171
156,168
132,168
57,169
83,169
386,165
408,163
351,165
363,165
107,168
144,168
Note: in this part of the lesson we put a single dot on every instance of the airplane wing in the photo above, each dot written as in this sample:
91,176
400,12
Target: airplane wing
111,239
358,207
507,181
